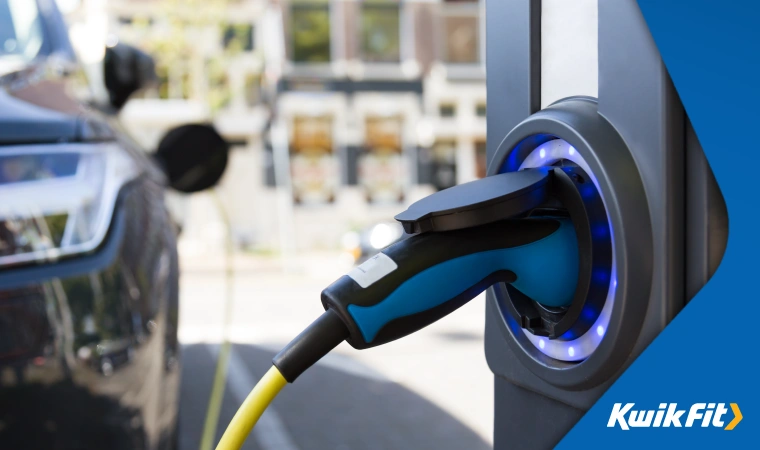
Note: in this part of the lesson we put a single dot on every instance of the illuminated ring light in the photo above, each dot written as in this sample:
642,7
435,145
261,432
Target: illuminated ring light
582,347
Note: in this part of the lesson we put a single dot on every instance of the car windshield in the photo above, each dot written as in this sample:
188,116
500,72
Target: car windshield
21,35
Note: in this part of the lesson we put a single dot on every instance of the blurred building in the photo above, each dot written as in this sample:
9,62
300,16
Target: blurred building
210,65
209,62
380,102
383,102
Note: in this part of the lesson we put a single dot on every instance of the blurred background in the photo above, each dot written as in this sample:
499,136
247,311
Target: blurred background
340,114
382,102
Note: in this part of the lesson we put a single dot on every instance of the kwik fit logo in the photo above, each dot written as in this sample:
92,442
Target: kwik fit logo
668,415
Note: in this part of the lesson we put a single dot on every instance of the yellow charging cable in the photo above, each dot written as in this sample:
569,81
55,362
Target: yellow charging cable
305,350
251,410
220,374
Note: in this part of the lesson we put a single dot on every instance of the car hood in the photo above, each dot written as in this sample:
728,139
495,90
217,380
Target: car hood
35,106
22,122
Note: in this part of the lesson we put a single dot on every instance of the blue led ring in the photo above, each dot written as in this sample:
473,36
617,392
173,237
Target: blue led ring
583,346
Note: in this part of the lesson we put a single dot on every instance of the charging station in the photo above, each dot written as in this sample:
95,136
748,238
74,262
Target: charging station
598,220
659,223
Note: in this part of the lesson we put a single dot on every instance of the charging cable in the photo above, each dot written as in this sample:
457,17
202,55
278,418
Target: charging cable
220,373
252,409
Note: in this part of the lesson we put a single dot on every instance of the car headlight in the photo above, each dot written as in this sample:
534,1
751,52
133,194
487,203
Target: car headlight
58,199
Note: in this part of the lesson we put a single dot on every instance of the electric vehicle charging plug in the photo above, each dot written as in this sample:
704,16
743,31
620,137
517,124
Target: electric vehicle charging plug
423,278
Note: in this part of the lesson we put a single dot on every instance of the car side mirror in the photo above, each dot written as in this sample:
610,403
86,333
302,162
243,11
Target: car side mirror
194,157
126,70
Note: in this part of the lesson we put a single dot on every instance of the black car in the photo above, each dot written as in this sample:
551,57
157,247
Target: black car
88,262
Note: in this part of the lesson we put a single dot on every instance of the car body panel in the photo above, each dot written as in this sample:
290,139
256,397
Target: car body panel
88,344
22,122
88,351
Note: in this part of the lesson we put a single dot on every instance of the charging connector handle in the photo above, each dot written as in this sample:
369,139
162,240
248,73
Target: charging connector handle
421,279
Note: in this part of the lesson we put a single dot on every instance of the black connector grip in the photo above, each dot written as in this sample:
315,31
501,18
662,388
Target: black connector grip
317,340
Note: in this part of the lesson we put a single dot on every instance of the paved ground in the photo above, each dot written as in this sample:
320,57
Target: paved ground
431,390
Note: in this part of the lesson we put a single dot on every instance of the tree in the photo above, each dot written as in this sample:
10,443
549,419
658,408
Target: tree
178,37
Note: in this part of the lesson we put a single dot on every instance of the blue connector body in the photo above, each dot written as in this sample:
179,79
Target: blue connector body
546,271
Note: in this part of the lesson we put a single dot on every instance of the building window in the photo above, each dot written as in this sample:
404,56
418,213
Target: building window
314,168
447,110
480,158
381,167
461,32
380,32
444,164
238,37
310,29
462,43
480,110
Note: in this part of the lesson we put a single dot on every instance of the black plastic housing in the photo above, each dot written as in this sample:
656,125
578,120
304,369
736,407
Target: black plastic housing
317,340
478,202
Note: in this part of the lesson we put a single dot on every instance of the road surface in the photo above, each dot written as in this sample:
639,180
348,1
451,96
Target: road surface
432,390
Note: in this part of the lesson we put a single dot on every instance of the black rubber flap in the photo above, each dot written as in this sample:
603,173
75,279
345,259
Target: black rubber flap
479,202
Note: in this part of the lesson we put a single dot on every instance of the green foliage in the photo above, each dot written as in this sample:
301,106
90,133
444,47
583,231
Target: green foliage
172,39
219,94
238,37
